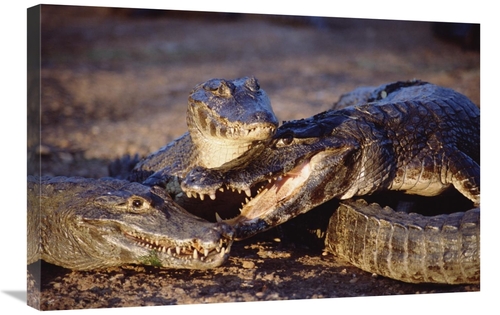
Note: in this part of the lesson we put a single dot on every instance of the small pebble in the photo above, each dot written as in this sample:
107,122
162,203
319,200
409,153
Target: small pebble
248,265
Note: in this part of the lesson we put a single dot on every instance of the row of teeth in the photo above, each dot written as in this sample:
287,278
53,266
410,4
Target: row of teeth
211,194
245,132
247,200
178,250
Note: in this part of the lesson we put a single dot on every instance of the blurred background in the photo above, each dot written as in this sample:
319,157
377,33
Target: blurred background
116,81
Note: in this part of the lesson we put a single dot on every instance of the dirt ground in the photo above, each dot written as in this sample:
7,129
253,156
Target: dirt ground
116,82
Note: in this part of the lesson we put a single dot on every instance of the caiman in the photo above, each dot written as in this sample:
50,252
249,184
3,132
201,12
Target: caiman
225,118
115,222
413,137
80,223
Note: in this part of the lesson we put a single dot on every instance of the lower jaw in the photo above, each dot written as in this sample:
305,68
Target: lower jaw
245,230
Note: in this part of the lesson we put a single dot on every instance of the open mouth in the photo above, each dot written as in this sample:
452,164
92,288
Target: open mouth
194,251
276,192
267,198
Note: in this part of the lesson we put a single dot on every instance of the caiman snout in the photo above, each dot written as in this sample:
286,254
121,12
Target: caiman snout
225,230
263,116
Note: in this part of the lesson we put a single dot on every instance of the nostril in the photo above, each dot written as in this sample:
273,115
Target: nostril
264,117
258,116
225,230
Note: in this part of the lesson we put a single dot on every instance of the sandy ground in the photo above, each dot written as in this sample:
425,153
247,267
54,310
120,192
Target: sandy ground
115,82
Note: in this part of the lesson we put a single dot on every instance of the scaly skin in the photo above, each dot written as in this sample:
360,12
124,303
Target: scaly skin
82,224
412,137
225,118
408,247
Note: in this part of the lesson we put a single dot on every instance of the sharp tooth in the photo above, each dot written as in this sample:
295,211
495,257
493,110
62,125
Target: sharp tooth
217,217
202,196
221,189
212,195
248,192
169,251
222,252
239,191
217,249
247,200
177,250
163,249
195,254
188,193
269,180
156,242
205,252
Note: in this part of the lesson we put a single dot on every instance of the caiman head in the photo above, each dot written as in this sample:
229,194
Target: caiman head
226,117
302,167
136,224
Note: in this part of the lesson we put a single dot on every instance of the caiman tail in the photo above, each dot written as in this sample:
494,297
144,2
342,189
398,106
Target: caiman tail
410,247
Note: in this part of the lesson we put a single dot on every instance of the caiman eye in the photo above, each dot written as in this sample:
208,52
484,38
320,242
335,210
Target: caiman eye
139,205
252,84
221,88
225,89
212,85
286,139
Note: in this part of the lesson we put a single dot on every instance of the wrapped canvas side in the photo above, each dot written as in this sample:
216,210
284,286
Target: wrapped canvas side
33,145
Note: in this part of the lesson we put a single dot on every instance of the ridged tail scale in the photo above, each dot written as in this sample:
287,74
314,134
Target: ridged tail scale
409,247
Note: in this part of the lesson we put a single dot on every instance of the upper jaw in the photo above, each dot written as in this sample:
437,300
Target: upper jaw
244,133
